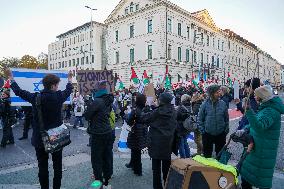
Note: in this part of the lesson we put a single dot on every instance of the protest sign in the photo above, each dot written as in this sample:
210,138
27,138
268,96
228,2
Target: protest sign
87,80
149,91
236,87
31,80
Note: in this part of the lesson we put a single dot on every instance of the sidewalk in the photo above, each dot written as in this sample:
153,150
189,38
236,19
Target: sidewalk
77,175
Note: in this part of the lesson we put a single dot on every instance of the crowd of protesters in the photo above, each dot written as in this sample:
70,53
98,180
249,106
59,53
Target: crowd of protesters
158,125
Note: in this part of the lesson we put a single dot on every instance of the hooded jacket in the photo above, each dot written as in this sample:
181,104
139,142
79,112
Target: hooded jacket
258,167
163,124
98,113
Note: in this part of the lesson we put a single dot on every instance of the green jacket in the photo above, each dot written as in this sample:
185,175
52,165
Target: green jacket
264,126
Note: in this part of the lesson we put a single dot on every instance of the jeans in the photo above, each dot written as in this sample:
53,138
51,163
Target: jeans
27,123
208,141
79,120
135,161
184,150
7,134
43,175
156,167
102,156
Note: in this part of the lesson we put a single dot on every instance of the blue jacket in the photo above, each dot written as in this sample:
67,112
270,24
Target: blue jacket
51,103
213,118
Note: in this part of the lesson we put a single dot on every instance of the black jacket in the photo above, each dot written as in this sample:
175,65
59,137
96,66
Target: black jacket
163,124
137,139
51,106
7,113
183,112
98,113
227,98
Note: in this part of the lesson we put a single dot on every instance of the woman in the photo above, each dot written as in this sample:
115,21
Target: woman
183,112
78,110
136,140
258,167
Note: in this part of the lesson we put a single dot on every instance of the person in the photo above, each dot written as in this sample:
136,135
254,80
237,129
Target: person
196,102
98,113
8,116
226,96
136,140
51,106
28,111
250,86
264,126
183,112
67,110
213,120
78,110
163,123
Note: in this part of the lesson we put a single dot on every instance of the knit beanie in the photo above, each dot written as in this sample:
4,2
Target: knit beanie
166,98
264,92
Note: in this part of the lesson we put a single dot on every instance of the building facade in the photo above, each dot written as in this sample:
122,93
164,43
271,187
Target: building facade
80,48
150,34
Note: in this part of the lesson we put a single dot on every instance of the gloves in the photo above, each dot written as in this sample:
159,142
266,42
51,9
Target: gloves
240,133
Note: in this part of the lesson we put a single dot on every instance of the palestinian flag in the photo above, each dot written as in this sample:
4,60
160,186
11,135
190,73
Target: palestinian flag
229,80
168,85
119,84
134,77
146,79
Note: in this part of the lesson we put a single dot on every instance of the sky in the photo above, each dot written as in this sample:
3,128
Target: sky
28,26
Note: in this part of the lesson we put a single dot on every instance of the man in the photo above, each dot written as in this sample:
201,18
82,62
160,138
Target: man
51,105
213,121
28,111
163,123
98,114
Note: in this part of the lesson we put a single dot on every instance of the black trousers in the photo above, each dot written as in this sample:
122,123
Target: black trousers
156,168
102,156
135,161
247,185
208,141
7,134
27,123
43,175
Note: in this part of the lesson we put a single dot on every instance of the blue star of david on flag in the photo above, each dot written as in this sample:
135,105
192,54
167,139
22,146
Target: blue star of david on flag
36,85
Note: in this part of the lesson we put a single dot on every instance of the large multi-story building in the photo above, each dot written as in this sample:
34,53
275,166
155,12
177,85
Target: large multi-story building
80,48
150,34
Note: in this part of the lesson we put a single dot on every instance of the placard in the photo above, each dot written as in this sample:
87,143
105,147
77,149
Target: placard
87,80
31,80
149,91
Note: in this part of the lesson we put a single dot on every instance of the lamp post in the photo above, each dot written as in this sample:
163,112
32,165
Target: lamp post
91,34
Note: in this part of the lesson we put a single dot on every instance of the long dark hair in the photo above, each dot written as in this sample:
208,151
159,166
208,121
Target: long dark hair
140,100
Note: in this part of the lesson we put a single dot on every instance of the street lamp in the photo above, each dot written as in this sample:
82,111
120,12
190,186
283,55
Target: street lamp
91,34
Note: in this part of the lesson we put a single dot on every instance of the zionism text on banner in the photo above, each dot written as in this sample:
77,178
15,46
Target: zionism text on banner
31,80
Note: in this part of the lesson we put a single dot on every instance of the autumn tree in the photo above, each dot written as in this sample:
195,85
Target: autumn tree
43,61
28,61
10,62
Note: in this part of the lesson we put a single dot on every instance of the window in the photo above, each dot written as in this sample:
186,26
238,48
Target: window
116,35
131,55
218,62
202,38
212,63
59,65
179,29
126,11
194,56
150,28
69,63
239,62
150,52
208,40
82,60
201,59
137,7
169,51
222,45
87,60
117,57
93,58
187,55
73,62
131,7
229,44
78,61
131,31
194,36
188,32
218,44
169,29
213,40
179,54
207,58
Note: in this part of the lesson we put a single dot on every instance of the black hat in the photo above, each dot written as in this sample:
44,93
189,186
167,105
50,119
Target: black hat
166,98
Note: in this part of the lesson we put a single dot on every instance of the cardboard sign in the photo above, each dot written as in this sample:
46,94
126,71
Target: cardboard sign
31,80
149,91
87,80
236,87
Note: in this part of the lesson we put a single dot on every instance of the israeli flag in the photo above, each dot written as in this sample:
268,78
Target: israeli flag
31,80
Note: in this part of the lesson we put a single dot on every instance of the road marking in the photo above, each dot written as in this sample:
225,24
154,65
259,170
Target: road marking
82,128
21,149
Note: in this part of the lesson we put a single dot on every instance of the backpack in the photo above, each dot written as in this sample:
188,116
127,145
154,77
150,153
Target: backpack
189,123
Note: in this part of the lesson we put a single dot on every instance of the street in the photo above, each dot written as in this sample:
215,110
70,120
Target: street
18,165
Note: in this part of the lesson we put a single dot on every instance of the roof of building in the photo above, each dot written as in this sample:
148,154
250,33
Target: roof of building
79,28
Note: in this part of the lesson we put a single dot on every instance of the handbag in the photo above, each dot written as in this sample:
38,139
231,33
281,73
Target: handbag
53,139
